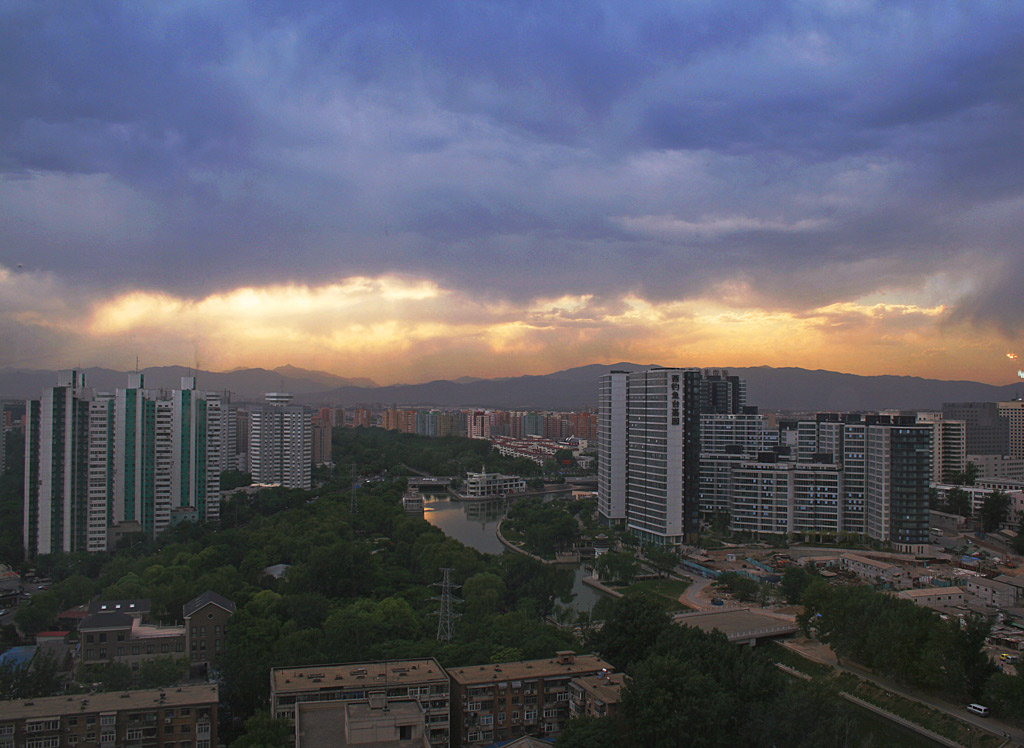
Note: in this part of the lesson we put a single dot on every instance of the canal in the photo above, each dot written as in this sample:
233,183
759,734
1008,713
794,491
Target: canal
476,524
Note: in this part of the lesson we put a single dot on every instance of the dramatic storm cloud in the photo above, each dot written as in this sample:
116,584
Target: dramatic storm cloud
410,190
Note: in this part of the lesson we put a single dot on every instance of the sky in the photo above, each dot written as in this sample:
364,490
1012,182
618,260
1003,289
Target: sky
415,190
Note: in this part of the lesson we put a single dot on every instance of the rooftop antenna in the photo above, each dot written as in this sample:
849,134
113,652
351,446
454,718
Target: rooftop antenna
445,615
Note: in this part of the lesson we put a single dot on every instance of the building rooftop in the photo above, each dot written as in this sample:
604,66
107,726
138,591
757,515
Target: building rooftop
53,706
928,591
605,688
738,624
869,561
332,724
137,607
106,621
527,669
350,675
198,603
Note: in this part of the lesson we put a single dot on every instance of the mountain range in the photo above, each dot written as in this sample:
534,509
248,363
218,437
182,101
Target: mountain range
767,387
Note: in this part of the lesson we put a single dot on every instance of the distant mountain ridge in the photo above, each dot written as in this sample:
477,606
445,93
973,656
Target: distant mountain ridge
767,387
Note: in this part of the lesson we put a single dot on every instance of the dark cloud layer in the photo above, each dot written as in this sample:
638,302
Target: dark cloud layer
519,148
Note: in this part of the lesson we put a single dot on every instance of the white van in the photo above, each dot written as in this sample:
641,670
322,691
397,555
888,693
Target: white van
981,711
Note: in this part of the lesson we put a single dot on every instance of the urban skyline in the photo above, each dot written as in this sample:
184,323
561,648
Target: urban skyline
413,192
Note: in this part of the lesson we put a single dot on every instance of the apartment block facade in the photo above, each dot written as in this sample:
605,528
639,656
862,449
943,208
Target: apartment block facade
424,681
504,701
184,717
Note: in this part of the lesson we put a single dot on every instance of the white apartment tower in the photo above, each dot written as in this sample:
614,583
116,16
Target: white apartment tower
281,442
611,447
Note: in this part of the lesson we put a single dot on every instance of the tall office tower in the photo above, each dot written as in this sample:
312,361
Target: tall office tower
653,418
988,433
949,445
898,468
281,442
321,441
611,447
1013,412
57,467
663,454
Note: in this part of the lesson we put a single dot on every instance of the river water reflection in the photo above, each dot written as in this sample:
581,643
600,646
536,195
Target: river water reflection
476,524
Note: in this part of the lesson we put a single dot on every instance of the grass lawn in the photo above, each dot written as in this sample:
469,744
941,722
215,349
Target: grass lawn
666,591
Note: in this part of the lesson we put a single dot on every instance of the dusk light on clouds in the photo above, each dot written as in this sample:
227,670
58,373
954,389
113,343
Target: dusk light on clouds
418,190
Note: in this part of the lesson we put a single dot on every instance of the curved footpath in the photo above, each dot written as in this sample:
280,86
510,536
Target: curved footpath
512,546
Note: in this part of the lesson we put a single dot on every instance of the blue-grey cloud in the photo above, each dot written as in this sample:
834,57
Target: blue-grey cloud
814,151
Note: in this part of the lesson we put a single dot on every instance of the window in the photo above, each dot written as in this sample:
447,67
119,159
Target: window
6,730
50,742
135,649
135,734
107,719
103,638
564,696
487,719
120,636
530,714
216,630
165,648
548,713
120,651
42,724
202,630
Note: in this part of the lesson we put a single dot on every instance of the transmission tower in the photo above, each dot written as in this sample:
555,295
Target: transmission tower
445,615
353,507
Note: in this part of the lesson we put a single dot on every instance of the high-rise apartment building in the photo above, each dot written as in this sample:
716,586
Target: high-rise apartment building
135,459
898,468
949,446
1013,413
611,447
988,432
322,441
57,466
652,419
281,442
